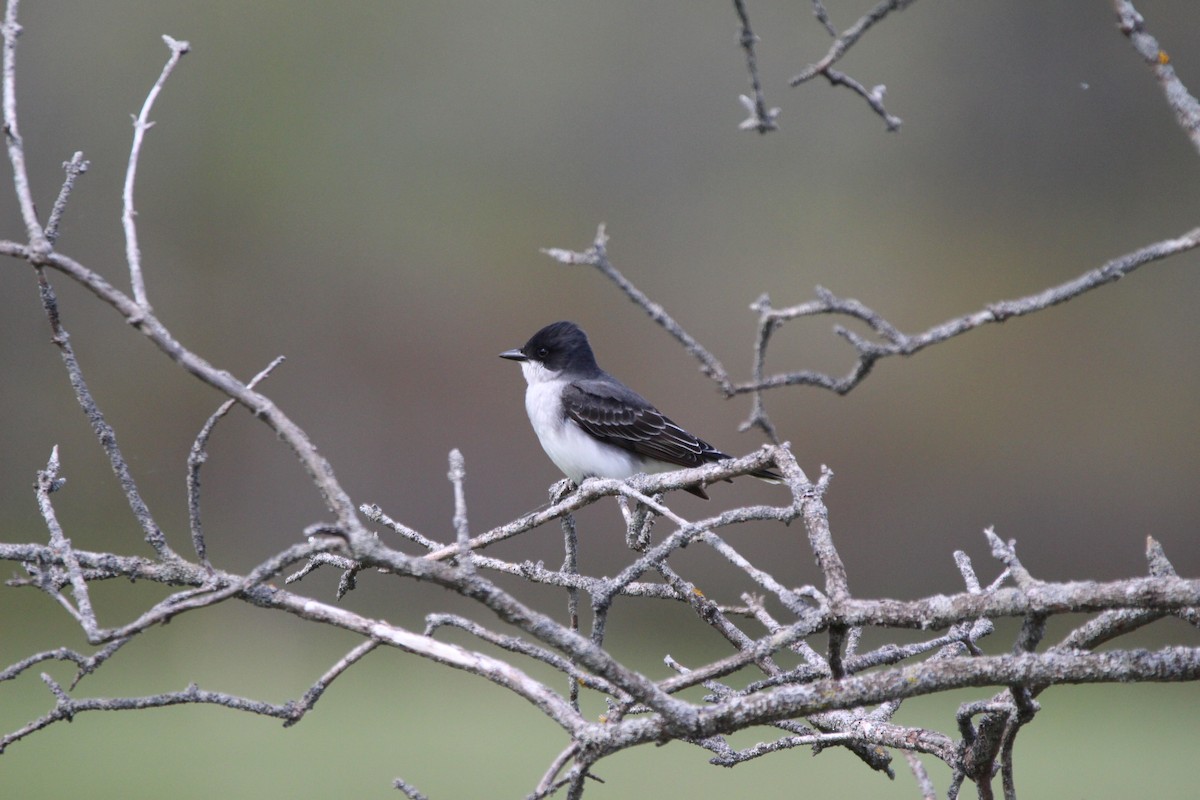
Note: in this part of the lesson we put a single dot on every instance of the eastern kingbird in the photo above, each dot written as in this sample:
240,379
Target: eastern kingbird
592,425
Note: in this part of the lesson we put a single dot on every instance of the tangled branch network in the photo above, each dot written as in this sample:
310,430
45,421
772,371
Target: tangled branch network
796,667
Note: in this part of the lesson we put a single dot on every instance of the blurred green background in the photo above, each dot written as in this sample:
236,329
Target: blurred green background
364,188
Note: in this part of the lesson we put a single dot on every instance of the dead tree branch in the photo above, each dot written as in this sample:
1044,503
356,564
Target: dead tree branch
793,667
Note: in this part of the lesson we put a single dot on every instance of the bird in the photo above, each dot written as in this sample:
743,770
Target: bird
593,426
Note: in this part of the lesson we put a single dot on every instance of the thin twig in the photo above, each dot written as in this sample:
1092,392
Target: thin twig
198,455
375,514
1181,101
67,708
928,792
38,244
305,704
841,44
100,427
570,566
48,482
515,644
409,791
761,118
597,256
462,531
141,124
73,168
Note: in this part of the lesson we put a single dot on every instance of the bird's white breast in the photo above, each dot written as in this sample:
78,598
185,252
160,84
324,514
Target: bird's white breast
572,449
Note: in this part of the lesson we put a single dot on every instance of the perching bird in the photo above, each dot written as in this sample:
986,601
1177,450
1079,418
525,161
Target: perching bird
592,425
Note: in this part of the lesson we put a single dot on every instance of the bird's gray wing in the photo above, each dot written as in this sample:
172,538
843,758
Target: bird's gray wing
619,416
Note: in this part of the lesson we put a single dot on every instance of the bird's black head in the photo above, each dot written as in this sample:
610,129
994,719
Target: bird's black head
559,346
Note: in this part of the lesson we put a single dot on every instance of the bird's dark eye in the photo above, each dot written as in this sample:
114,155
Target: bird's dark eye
542,352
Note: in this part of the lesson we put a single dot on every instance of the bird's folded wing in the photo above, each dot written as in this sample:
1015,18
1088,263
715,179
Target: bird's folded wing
625,419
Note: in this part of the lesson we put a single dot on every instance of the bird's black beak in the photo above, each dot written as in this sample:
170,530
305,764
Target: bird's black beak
514,355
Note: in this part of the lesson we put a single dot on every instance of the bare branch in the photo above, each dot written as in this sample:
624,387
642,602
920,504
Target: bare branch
318,688
597,256
38,245
1181,101
822,15
761,118
141,124
894,341
571,567
596,488
794,661
841,44
318,469
1168,664
457,475
517,645
100,427
47,482
199,454
897,343
375,514
74,168
409,791
67,707
928,792
86,664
